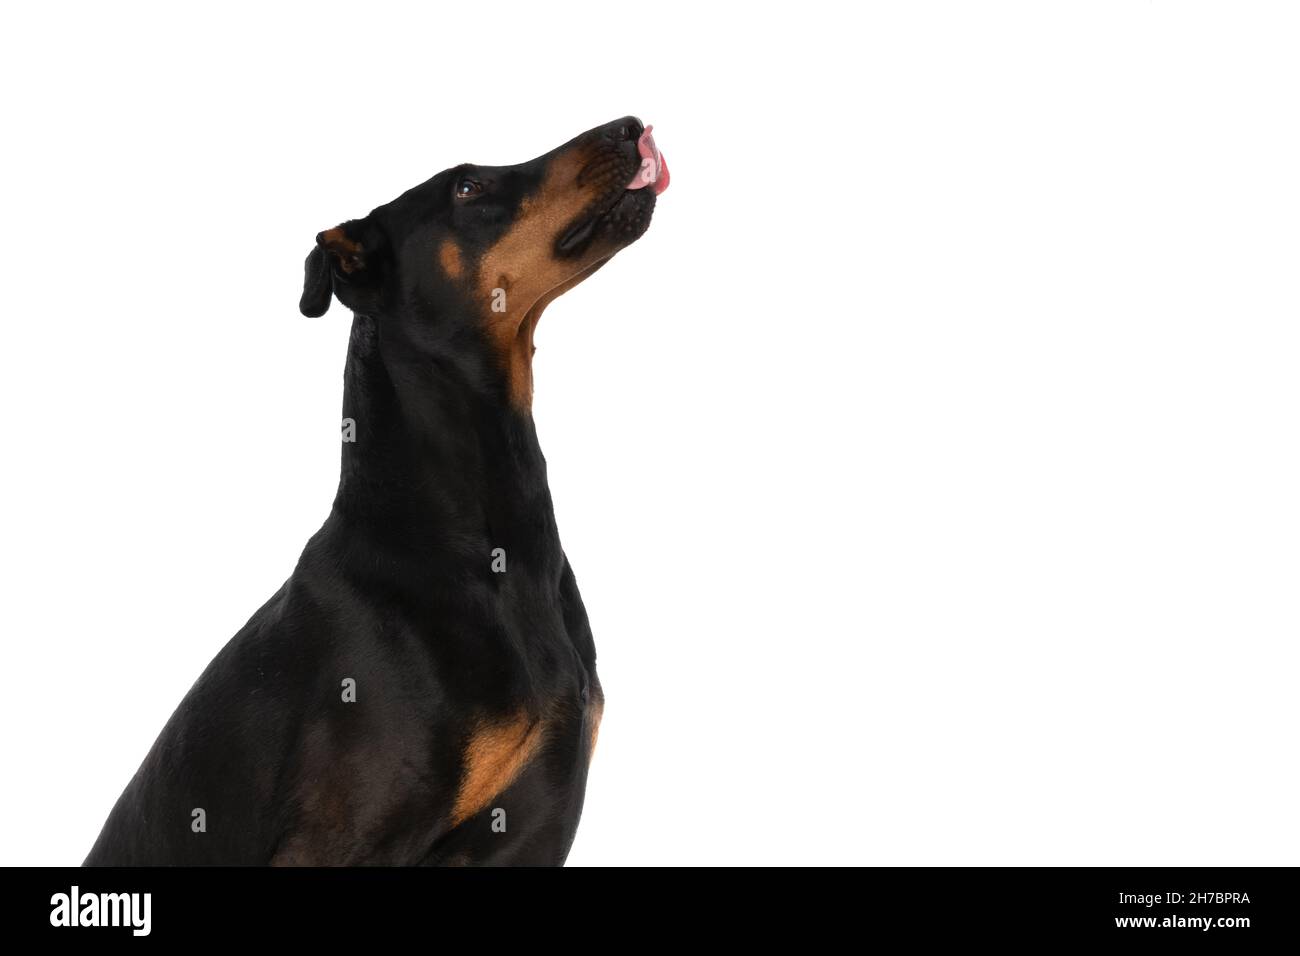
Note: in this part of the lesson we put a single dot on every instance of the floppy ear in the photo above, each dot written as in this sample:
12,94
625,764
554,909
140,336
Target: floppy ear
336,252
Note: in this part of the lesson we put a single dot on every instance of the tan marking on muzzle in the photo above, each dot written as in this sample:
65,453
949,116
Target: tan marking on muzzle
523,263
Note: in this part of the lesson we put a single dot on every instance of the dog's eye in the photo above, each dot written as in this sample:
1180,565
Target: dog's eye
468,187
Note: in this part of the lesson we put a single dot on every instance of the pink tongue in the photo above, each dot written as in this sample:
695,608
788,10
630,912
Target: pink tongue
654,169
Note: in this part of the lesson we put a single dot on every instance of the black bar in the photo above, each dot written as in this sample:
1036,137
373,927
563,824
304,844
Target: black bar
1048,905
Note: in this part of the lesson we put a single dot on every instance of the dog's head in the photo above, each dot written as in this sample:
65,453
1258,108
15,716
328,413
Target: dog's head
488,247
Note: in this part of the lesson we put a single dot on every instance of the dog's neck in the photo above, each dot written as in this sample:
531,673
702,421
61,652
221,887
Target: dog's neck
440,471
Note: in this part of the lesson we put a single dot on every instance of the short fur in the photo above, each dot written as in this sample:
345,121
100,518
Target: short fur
476,691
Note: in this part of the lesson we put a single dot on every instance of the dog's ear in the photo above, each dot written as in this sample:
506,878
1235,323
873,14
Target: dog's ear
339,256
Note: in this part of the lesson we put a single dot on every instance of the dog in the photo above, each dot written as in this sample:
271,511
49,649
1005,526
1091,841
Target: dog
422,690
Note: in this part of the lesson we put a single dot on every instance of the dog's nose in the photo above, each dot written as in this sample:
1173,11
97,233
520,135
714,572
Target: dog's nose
625,130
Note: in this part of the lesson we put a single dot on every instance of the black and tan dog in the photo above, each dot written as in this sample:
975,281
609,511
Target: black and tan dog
422,690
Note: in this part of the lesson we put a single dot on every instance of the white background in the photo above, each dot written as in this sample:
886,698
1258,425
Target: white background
929,469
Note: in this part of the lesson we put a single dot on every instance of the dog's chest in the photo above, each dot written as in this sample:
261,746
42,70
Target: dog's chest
521,786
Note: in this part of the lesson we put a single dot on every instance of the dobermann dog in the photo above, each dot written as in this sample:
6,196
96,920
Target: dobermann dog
422,690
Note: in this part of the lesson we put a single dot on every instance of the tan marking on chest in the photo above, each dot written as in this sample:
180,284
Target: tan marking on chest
597,712
494,757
